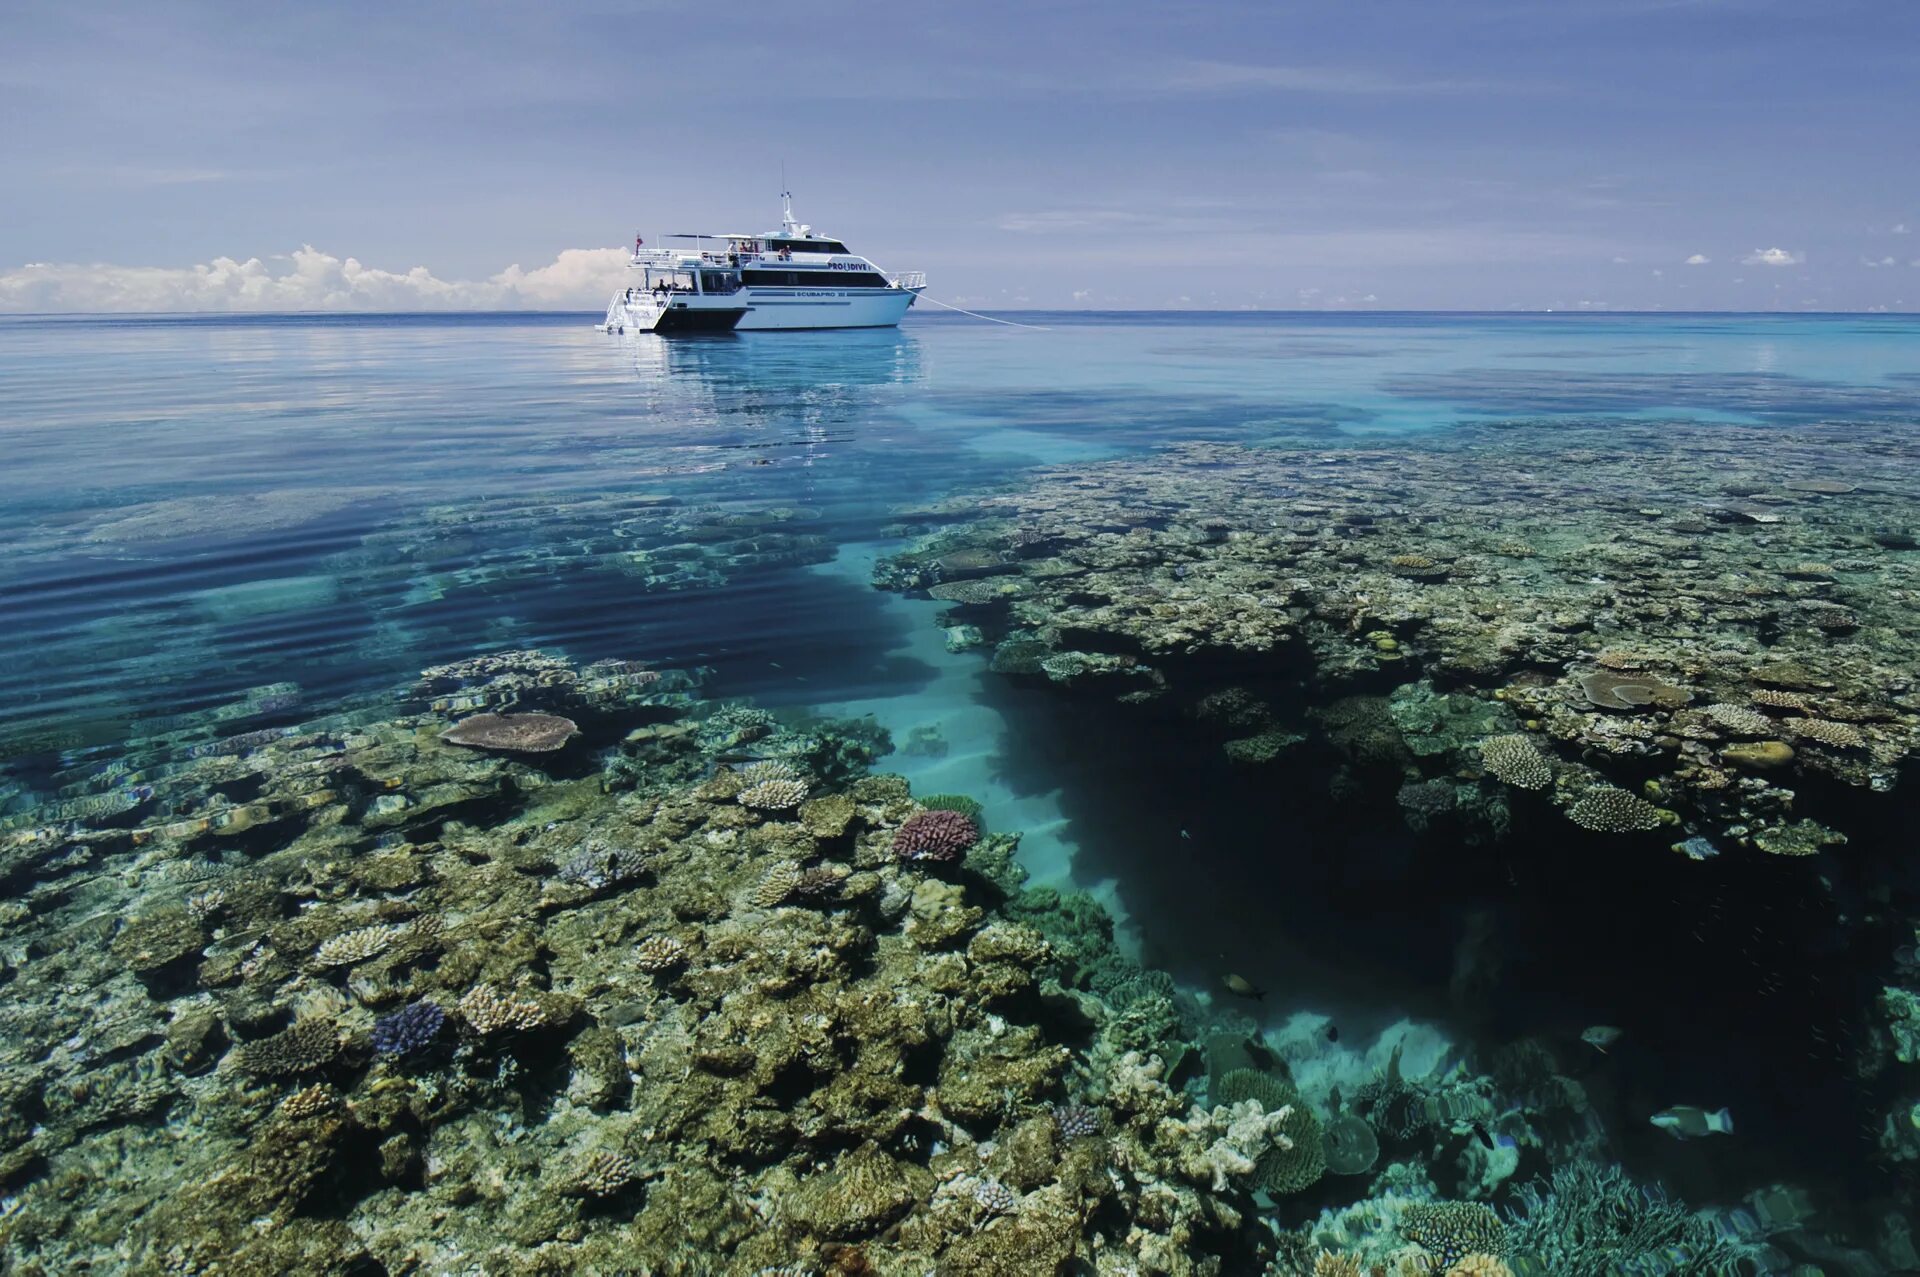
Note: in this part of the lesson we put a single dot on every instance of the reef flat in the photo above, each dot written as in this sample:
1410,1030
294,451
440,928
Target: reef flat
537,969
1708,632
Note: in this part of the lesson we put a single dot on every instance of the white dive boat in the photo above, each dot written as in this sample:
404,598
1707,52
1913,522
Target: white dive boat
790,278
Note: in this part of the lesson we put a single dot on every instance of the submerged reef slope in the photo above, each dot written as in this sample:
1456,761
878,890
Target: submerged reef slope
358,998
1707,631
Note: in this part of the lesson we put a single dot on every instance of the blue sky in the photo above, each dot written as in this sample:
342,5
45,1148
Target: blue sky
1392,154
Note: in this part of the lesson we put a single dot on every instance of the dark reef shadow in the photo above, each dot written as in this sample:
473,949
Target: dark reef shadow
1735,981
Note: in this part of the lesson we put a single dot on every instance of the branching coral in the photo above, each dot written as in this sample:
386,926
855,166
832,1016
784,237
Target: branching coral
935,835
1590,1220
1513,759
1451,1231
307,1045
1614,811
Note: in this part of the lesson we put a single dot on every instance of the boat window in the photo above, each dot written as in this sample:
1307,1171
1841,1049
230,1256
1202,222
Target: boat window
813,278
717,282
806,245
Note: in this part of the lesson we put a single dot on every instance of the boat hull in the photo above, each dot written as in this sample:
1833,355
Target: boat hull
758,309
791,308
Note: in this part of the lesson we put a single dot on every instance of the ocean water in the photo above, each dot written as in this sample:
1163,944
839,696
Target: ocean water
221,525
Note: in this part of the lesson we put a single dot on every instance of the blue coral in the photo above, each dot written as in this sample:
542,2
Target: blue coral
408,1031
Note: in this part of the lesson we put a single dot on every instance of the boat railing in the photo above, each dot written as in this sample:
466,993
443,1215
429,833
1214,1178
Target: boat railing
913,279
683,258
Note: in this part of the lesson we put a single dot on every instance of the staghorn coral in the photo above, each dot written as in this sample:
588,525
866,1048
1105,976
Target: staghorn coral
1614,811
935,835
301,1048
1451,1231
350,947
513,733
1513,759
1591,1220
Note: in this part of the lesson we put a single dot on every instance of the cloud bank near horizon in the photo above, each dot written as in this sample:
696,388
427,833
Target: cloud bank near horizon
308,279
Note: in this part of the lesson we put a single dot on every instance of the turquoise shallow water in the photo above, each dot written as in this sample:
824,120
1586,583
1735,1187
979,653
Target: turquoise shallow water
197,506
255,520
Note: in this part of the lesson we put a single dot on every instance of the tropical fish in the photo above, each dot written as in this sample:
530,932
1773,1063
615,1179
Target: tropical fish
1601,1036
1242,987
1685,1122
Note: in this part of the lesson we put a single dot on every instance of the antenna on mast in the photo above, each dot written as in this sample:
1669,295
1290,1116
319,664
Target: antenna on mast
787,224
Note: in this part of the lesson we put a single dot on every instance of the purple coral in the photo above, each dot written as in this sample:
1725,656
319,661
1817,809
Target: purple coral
409,1030
935,835
1074,1121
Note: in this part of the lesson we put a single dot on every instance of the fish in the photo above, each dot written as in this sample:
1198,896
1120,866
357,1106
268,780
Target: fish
1242,987
1601,1036
1685,1122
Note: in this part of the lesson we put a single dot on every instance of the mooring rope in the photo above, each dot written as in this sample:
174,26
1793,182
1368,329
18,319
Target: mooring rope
989,318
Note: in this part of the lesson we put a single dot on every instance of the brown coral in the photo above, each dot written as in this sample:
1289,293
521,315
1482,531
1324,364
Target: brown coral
513,733
310,1101
1621,690
1451,1231
1740,720
603,1175
490,1011
780,880
1832,735
307,1045
354,946
1614,811
1480,1265
659,953
1513,759
774,795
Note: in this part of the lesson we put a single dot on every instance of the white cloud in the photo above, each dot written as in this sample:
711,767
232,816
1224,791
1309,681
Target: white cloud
579,278
1872,262
1899,228
1698,259
1774,257
1619,261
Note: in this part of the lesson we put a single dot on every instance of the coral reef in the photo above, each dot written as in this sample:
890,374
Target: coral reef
513,733
1620,617
935,835
1589,1219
